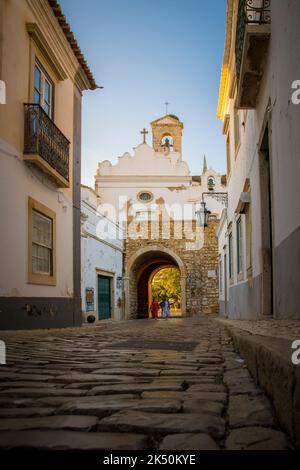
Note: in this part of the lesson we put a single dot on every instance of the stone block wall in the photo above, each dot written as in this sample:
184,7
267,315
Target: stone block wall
198,251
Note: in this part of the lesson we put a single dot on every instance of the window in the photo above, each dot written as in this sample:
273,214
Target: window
41,239
230,255
41,244
43,90
236,128
211,183
145,196
228,156
239,245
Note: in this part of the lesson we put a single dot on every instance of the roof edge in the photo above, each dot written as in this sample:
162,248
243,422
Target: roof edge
66,29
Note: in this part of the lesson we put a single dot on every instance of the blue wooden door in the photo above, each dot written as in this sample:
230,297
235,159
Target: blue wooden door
103,297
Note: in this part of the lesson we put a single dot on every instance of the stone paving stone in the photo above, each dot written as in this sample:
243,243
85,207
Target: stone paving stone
188,441
108,407
68,440
75,373
5,376
133,388
250,411
135,372
245,387
206,387
25,412
207,396
72,423
163,423
174,373
193,405
232,376
20,384
256,438
158,394
69,378
40,392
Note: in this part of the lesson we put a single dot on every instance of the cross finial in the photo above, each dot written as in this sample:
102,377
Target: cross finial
166,105
144,132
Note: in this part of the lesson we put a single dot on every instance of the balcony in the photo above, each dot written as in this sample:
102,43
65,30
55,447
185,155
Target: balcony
45,145
252,39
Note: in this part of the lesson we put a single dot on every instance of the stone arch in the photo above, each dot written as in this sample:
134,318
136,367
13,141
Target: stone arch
138,270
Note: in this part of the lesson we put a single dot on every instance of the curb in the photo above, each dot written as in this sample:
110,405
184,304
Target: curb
269,362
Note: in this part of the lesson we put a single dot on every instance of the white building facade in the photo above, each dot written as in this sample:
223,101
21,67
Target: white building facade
101,262
153,195
259,234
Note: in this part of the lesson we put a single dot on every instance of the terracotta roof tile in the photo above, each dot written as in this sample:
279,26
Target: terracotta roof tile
72,41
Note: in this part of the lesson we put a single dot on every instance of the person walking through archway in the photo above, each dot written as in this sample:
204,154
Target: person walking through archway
154,309
165,308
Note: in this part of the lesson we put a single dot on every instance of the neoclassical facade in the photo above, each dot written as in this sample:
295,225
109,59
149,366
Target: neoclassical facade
155,198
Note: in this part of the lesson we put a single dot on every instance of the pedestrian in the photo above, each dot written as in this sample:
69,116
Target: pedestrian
154,309
165,306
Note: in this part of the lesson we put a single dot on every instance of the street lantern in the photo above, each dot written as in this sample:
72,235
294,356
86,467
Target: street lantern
202,215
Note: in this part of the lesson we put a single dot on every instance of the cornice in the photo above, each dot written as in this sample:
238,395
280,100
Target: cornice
38,37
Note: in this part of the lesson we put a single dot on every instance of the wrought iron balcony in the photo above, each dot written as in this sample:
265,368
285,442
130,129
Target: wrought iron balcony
45,145
252,39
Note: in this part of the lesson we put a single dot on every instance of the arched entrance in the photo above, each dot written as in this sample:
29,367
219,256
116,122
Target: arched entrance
139,270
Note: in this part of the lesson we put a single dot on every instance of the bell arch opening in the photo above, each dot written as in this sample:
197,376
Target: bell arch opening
140,271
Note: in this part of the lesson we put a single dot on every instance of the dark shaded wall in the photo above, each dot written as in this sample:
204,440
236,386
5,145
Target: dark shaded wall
77,317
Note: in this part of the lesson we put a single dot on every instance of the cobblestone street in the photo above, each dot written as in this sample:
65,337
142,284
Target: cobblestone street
167,384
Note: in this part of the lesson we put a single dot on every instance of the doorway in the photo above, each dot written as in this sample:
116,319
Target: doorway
266,226
104,297
225,287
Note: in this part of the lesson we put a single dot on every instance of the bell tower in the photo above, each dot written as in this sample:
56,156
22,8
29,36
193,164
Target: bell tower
167,133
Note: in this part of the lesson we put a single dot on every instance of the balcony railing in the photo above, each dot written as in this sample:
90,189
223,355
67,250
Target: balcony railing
252,33
45,144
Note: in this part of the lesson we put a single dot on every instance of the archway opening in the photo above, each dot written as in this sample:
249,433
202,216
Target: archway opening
165,283
167,141
141,269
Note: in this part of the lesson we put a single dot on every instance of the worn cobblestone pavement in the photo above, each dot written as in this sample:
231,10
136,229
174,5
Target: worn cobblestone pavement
167,384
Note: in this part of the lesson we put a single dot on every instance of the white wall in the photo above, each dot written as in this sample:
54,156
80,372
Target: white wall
285,63
17,183
97,255
166,177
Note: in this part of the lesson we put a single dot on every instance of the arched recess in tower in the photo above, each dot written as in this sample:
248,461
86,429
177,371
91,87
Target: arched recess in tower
140,270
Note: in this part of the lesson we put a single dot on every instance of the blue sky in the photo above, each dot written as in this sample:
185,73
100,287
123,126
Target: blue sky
145,53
